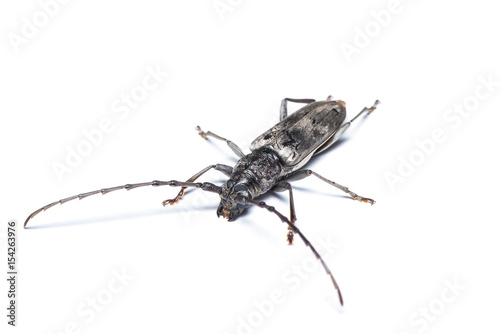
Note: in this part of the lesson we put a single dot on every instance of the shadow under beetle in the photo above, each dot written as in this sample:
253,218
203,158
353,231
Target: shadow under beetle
276,159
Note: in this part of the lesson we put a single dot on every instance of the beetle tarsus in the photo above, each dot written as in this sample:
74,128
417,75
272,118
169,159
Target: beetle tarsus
363,199
175,199
374,106
202,133
289,236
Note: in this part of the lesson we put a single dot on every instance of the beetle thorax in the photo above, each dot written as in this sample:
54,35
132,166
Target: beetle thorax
261,169
253,175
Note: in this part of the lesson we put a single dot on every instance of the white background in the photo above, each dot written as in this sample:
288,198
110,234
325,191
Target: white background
195,273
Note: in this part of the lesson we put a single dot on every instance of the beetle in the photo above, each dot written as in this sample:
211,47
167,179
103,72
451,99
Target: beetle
276,159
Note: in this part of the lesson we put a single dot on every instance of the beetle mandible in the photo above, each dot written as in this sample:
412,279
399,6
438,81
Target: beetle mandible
276,159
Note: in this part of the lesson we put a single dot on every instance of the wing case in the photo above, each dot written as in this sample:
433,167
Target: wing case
298,136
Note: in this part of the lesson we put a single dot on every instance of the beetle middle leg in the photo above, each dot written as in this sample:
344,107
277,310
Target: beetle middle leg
227,170
300,174
282,186
231,145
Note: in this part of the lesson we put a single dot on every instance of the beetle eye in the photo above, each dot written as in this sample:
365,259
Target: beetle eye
229,183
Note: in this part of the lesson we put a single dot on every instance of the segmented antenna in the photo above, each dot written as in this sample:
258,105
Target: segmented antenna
203,186
296,230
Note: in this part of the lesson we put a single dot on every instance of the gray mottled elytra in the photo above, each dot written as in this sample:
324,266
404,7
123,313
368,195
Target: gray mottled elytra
276,159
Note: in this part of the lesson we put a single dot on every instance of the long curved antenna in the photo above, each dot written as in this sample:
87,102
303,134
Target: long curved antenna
206,186
297,231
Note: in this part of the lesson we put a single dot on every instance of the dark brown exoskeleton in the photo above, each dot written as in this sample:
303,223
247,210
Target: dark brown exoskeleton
276,159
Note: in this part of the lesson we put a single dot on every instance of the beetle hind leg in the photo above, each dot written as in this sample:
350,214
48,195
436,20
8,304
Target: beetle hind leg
336,136
300,174
366,110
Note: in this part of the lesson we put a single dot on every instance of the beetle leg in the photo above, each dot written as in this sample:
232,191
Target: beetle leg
283,109
227,170
366,110
300,174
344,128
231,145
282,186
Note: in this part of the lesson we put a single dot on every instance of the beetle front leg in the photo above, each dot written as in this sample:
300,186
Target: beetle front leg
300,174
282,186
227,170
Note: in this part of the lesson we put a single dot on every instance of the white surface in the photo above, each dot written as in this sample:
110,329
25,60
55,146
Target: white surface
195,273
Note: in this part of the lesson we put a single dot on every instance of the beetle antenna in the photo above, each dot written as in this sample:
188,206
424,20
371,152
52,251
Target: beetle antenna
297,231
206,186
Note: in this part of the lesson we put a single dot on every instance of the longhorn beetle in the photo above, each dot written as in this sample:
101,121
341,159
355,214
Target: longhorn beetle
277,157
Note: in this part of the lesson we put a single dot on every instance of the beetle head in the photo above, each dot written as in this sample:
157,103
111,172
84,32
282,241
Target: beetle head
231,205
